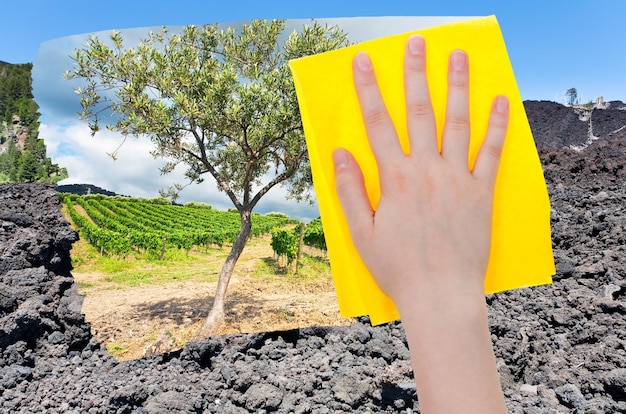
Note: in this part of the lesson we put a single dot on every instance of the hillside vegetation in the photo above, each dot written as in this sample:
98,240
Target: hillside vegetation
22,154
119,225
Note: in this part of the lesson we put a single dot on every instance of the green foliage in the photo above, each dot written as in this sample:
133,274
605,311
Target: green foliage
220,102
285,242
116,350
28,168
117,225
30,163
197,204
311,268
160,200
275,214
572,96
10,162
16,91
314,235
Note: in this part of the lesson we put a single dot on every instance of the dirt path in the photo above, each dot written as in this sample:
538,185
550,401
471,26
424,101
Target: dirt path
136,321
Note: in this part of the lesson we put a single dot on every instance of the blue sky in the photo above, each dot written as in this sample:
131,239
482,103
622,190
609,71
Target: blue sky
553,45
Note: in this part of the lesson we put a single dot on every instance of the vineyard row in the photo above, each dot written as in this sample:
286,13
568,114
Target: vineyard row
117,225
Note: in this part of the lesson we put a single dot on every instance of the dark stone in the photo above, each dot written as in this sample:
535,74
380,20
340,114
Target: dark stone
615,383
571,397
567,339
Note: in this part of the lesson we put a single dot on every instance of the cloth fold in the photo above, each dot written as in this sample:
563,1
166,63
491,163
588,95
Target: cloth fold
521,253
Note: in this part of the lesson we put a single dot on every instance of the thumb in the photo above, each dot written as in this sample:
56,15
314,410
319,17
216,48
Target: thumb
352,195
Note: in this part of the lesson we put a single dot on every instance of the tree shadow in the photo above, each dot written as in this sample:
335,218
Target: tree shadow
181,311
276,265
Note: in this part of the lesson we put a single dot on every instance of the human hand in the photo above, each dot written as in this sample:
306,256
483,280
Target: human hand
430,235
427,243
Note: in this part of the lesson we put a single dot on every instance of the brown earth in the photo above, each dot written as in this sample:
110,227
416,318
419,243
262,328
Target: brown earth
135,321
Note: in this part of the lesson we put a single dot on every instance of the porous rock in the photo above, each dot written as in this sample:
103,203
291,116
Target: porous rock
559,348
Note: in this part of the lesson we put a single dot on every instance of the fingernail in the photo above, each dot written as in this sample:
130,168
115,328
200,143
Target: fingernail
458,60
502,104
415,44
363,61
340,158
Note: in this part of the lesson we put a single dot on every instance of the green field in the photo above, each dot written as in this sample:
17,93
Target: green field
120,225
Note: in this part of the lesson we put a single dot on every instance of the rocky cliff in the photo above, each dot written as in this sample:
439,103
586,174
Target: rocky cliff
556,126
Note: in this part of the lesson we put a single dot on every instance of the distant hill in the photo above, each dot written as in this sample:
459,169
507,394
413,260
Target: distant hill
557,126
84,189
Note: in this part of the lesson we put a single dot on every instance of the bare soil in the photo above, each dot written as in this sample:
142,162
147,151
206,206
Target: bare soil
135,321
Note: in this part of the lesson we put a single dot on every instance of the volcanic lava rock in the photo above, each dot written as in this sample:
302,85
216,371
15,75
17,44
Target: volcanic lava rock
560,348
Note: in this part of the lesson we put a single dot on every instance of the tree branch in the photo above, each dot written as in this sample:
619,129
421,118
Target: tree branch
278,179
211,169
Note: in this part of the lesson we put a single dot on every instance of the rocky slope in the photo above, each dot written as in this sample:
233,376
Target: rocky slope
560,348
556,126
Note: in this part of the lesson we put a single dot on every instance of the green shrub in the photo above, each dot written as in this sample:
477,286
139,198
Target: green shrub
314,235
276,214
160,200
198,204
285,243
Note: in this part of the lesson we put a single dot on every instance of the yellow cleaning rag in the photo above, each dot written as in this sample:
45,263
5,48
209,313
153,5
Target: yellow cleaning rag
521,253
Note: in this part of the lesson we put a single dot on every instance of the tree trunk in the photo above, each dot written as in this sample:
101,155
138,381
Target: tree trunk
215,318
300,240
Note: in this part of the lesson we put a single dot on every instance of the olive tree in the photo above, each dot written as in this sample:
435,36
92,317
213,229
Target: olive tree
220,102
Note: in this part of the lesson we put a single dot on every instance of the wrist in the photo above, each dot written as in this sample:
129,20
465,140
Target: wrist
451,350
453,312
453,296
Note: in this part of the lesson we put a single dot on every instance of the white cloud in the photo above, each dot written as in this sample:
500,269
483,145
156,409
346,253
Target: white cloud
87,161
136,172
59,103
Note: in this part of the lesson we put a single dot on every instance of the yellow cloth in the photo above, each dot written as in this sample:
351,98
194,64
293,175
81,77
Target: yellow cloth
521,253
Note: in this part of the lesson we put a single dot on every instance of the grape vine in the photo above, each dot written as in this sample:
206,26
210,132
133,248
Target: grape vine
118,225
285,241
